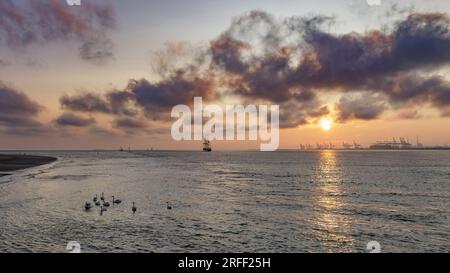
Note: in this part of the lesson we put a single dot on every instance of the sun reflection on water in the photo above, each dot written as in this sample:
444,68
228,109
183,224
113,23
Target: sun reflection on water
331,225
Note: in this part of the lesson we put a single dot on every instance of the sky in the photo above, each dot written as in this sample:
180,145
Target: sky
107,74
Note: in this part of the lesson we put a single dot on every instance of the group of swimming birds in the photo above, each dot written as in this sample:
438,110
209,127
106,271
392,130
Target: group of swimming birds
103,204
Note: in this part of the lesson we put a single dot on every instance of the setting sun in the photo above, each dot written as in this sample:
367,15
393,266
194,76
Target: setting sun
326,124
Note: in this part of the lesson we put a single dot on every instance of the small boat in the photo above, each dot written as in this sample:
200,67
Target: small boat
87,206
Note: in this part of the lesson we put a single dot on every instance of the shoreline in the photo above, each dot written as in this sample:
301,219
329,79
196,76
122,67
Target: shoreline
15,162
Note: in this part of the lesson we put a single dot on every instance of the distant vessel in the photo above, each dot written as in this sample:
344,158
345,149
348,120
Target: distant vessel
207,146
403,144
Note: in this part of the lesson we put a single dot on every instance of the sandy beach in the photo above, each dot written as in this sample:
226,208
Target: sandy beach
10,163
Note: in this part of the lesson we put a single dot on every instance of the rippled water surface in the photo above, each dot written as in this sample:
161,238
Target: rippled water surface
330,201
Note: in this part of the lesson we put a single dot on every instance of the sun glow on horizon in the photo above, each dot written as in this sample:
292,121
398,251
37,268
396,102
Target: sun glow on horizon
326,124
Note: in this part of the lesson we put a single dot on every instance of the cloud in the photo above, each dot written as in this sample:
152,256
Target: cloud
114,103
309,60
13,102
294,113
18,113
87,102
295,63
120,103
136,125
154,99
421,41
4,63
129,123
409,114
35,22
415,89
158,98
97,51
103,132
70,119
226,53
362,107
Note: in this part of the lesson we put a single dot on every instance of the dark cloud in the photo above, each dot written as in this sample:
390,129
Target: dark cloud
328,60
114,103
294,62
97,51
294,113
13,102
42,21
413,88
130,123
120,103
185,72
70,119
178,57
362,107
87,102
226,53
154,100
319,112
331,62
18,113
158,98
